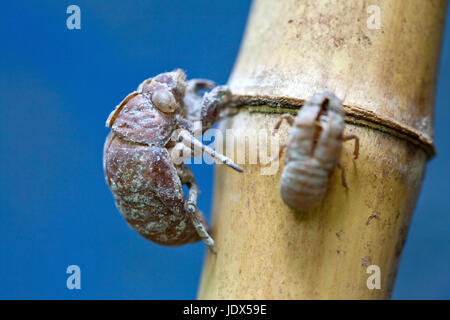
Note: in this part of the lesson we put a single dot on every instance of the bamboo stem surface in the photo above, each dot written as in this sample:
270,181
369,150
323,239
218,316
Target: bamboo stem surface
386,78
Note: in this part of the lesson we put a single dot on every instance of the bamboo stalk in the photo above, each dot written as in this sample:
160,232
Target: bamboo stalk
386,78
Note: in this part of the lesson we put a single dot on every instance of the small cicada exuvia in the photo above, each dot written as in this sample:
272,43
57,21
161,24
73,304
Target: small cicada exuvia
313,150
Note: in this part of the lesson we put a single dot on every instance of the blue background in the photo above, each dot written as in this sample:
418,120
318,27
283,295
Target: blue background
57,87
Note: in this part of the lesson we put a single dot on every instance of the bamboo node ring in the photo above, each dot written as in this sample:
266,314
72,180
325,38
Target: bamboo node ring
355,115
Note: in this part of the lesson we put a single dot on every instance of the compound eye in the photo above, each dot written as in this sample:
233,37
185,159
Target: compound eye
164,100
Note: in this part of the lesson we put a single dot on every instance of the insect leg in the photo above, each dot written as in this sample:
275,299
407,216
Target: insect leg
191,142
356,150
195,84
213,104
344,181
290,120
288,117
193,98
195,214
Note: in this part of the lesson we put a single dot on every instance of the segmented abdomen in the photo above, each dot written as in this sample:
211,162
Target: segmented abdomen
147,191
304,184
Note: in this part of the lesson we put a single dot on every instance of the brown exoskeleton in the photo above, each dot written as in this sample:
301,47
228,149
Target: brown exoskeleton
148,130
313,150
